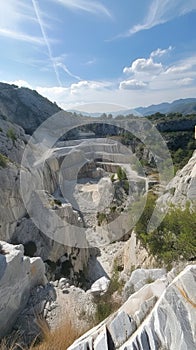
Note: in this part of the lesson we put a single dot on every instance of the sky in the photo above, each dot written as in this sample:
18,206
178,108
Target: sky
100,55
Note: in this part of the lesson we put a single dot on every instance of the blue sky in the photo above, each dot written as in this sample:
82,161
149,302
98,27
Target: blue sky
76,52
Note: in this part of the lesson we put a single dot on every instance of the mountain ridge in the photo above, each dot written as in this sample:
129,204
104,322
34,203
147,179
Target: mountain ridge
184,106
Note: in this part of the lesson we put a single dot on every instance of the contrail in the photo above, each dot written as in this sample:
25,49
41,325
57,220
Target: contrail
66,70
36,9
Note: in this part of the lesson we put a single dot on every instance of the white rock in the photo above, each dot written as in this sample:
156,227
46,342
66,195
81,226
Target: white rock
17,275
100,286
139,278
172,323
121,328
37,270
101,342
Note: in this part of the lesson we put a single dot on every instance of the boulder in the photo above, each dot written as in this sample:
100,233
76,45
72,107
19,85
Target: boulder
18,274
100,286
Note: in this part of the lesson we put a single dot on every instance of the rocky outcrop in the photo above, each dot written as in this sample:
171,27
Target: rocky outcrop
18,275
144,324
25,107
182,188
139,278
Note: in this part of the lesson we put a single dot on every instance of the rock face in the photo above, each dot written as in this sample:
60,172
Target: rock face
18,274
172,322
169,323
182,188
25,107
15,225
140,277
12,140
12,144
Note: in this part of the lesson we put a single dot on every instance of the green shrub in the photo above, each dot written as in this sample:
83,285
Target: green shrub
112,177
3,161
100,218
1,129
121,174
113,209
125,185
58,202
11,134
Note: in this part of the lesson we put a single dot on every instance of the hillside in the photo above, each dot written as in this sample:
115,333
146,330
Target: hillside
25,107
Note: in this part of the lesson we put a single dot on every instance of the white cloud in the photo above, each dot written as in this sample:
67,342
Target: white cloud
178,69
19,83
85,85
79,93
90,62
177,81
186,81
132,84
143,65
13,17
93,7
162,11
16,35
160,52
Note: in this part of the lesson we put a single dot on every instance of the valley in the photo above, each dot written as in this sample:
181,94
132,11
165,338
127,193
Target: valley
91,235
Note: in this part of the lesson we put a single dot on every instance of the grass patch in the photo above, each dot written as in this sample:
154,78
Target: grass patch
61,338
3,161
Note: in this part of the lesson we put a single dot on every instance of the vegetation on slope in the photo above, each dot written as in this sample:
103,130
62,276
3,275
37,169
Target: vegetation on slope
3,161
175,237
106,303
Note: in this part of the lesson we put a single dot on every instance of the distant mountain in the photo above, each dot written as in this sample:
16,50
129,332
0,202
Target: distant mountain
184,106
25,107
123,112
